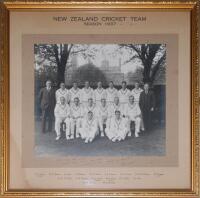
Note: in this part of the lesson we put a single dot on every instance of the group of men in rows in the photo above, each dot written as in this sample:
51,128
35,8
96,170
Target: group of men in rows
89,112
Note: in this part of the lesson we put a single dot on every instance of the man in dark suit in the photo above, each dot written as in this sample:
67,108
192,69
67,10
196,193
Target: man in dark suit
47,104
147,105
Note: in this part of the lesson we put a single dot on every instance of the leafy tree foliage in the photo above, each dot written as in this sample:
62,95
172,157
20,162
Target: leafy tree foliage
152,57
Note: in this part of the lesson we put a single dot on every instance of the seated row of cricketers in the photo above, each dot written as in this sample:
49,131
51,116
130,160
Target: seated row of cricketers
89,120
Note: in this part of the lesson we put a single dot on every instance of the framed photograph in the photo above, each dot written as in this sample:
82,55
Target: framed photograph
99,99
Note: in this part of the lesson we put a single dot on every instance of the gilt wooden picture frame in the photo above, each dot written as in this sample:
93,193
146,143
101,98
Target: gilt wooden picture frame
117,83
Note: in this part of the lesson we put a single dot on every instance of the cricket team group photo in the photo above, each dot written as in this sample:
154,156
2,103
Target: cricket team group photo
109,96
86,113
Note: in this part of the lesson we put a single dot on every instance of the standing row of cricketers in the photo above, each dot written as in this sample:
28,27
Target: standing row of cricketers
89,112
97,94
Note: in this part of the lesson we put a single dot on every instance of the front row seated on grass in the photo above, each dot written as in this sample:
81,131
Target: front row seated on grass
88,124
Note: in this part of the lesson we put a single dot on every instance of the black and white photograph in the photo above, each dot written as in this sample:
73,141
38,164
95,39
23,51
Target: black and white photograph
100,99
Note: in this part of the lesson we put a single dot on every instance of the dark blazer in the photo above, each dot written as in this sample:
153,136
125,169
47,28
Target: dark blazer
47,98
147,101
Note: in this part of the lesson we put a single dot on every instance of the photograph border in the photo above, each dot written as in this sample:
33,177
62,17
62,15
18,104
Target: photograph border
7,6
93,159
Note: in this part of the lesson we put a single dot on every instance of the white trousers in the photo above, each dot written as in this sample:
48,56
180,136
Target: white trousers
88,134
75,125
101,121
116,133
142,122
137,121
58,121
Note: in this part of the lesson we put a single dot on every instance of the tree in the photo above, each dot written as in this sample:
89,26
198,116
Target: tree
89,72
61,60
58,54
152,57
